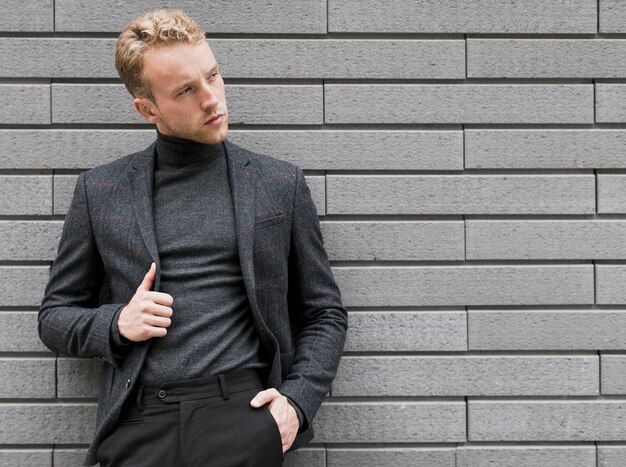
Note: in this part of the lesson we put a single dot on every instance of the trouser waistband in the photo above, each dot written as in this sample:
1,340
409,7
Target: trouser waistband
196,388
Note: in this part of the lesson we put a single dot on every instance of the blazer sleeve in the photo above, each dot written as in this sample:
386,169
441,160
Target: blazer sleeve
315,309
70,321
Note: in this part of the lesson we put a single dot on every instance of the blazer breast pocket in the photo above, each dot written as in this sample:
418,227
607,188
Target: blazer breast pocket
269,221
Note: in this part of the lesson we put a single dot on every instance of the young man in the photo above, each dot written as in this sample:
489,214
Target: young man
195,269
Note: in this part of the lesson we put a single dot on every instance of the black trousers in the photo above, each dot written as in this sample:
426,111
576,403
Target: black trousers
202,422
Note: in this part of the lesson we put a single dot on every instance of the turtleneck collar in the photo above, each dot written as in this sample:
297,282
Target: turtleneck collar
172,151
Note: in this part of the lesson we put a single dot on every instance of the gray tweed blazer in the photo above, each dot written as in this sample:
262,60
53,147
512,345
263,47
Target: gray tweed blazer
108,243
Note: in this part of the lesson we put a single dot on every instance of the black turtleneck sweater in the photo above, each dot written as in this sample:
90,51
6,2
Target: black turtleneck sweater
212,328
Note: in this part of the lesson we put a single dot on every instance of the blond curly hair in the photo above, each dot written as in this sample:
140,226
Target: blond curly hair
156,28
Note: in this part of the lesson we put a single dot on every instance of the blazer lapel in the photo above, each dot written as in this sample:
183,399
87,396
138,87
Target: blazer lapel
243,186
140,177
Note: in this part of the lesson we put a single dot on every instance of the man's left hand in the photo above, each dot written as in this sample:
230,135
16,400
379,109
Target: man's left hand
282,411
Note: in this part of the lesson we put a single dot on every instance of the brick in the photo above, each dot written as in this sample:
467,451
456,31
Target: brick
317,186
307,457
611,455
29,240
613,374
466,285
63,191
609,103
538,239
474,16
69,457
25,194
43,57
388,241
23,285
78,377
546,58
544,149
392,457
458,103
250,104
511,375
554,420
27,15
27,378
612,16
47,423
460,194
249,58
26,457
546,329
69,149
610,280
18,332
359,150
527,456
611,194
390,422
422,331
265,16
24,104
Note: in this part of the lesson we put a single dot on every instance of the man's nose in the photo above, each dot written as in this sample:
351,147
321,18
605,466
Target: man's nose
209,96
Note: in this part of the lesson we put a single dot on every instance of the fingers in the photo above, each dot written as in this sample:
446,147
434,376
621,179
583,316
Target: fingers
160,298
264,397
148,279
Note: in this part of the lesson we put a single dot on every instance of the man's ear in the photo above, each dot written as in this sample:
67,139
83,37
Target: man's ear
146,108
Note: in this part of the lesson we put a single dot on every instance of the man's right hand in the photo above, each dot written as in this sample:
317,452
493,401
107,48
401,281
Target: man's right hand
148,313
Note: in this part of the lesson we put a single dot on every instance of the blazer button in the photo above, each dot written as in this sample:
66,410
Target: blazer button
162,393
127,383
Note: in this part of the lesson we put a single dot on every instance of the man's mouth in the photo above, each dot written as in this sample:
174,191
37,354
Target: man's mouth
215,120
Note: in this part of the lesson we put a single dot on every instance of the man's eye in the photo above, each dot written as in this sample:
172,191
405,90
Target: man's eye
185,91
213,75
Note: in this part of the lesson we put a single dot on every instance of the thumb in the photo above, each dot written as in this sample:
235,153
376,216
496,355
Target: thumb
148,279
264,397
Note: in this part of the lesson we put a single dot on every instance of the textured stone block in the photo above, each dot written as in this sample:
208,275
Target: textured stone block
317,186
612,16
306,457
69,457
510,375
611,455
223,16
613,374
460,194
390,422
29,240
546,58
78,377
546,329
554,420
466,285
610,280
474,16
359,150
544,149
26,457
47,423
388,241
249,104
611,194
454,103
392,457
526,456
27,16
421,331
25,195
27,378
610,106
529,239
18,332
23,285
27,104
63,191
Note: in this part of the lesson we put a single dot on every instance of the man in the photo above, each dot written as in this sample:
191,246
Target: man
195,269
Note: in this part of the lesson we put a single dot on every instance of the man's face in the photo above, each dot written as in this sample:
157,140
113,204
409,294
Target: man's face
188,90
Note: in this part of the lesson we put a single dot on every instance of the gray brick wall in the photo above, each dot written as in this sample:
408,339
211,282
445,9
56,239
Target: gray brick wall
467,162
